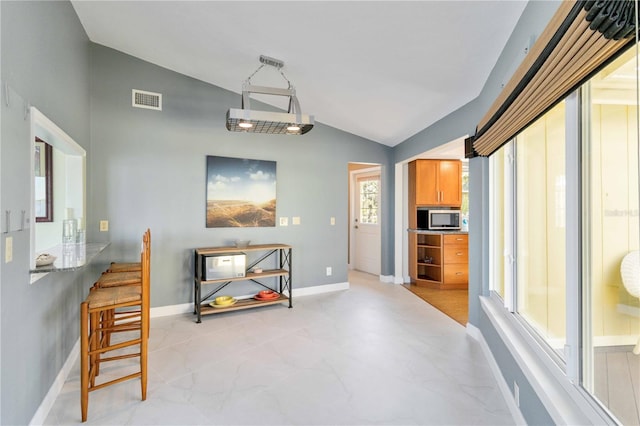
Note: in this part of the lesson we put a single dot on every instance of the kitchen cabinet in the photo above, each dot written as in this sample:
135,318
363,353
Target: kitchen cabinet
439,260
456,260
436,182
282,276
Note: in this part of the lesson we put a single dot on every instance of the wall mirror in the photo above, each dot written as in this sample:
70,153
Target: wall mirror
43,176
67,180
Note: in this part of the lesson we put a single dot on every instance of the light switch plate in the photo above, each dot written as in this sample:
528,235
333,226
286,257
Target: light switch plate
295,220
284,221
104,225
332,221
8,249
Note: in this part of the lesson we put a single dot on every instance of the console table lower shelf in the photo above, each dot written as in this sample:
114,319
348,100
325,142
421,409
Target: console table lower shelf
206,309
281,276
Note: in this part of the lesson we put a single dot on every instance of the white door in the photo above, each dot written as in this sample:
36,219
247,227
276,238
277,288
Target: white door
366,222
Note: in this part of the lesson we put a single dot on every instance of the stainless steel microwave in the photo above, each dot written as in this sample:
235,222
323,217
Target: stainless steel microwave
224,265
439,220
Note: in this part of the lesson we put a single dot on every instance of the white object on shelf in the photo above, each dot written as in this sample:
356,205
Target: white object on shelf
45,259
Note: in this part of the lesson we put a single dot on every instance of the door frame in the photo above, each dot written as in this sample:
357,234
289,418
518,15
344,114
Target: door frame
353,175
401,199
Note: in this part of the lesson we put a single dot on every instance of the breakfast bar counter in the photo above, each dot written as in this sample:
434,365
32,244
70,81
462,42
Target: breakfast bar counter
70,257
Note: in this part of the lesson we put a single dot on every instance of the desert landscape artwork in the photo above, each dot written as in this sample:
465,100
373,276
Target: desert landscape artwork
240,192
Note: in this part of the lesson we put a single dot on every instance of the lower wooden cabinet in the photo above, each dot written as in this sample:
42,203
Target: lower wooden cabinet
439,260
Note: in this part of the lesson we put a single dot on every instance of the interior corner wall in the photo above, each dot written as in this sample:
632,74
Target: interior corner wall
478,235
45,63
149,171
463,121
532,22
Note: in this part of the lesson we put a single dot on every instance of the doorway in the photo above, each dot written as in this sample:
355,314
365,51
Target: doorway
364,218
453,303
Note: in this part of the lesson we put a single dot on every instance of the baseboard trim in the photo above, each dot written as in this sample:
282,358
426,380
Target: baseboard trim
475,333
620,340
166,311
386,279
629,310
319,289
50,398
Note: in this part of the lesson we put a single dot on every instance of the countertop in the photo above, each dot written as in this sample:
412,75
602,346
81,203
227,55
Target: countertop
425,231
71,257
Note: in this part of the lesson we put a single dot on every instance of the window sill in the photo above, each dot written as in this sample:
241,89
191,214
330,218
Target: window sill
565,402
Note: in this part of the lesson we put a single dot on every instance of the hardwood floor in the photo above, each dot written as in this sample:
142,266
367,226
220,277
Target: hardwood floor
617,382
454,303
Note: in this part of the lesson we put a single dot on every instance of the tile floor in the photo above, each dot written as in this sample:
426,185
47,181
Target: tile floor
375,354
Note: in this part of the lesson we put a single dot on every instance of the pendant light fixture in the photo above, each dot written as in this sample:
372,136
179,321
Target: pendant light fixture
293,122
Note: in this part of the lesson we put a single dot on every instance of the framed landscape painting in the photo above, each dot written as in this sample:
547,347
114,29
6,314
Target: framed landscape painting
240,192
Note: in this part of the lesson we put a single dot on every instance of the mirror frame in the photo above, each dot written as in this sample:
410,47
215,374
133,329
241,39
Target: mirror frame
46,163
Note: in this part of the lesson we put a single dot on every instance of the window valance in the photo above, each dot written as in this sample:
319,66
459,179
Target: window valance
581,37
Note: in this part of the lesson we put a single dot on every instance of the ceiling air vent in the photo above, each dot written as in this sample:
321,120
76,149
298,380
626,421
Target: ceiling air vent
149,100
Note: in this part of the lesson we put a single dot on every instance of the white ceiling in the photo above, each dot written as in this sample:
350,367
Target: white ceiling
383,70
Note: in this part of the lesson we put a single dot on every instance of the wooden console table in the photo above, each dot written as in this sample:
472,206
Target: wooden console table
283,254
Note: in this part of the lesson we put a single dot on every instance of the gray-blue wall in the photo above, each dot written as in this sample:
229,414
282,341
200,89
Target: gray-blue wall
45,63
144,169
148,170
461,122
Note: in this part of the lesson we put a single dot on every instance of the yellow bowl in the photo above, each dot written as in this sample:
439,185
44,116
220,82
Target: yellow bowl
224,300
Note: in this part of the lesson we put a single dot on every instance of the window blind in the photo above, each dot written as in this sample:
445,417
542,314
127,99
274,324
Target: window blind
581,37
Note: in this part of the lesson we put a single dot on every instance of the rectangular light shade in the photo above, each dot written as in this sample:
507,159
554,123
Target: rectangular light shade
267,121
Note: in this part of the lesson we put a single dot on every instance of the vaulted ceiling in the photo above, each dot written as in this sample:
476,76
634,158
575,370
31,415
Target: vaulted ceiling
383,70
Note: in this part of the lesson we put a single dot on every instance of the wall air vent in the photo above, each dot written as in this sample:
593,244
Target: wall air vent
148,100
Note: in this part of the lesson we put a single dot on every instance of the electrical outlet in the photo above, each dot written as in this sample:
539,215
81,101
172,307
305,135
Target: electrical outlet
8,249
329,271
284,221
104,225
295,220
516,393
332,221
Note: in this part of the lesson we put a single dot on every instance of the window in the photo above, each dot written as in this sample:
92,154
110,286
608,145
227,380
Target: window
369,188
556,259
501,234
610,235
464,204
540,226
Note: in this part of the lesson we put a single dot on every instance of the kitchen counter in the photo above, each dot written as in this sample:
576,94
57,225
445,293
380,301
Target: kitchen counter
71,257
439,232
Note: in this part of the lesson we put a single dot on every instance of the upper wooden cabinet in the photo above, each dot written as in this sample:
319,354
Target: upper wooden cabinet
435,182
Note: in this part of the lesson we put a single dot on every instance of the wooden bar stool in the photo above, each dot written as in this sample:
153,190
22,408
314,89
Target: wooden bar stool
115,309
112,280
115,279
124,267
128,266
121,278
